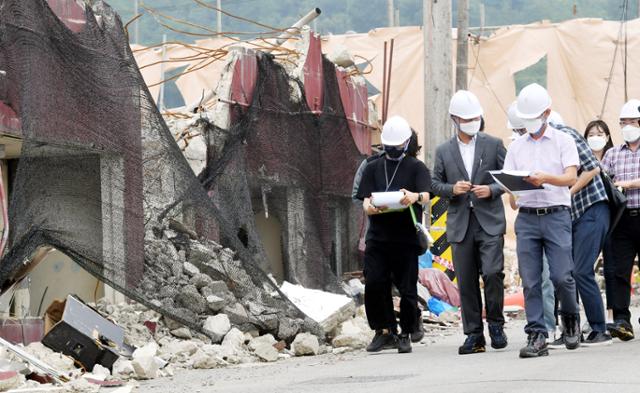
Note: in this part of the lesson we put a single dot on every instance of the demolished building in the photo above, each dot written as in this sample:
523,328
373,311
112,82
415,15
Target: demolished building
101,178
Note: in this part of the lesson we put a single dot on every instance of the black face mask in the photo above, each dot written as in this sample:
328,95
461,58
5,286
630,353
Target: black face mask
393,152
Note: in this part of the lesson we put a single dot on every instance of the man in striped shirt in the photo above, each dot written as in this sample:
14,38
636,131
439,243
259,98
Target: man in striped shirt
623,164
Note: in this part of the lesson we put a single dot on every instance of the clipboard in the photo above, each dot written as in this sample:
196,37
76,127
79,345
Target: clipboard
513,181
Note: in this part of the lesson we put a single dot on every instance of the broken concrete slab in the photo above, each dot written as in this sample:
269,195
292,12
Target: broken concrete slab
182,332
351,341
190,298
266,352
217,327
201,280
215,303
288,329
190,269
237,314
203,360
256,342
328,309
123,368
144,362
305,344
234,339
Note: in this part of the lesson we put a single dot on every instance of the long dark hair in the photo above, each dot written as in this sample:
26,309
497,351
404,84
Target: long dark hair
604,127
414,147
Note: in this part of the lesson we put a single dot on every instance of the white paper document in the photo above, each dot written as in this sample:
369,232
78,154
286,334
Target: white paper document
389,199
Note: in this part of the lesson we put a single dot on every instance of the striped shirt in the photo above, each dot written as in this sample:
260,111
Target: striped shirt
593,192
622,164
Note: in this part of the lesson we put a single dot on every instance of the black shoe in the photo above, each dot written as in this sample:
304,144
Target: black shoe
473,344
558,343
597,338
382,340
536,346
498,337
621,329
571,331
404,343
418,335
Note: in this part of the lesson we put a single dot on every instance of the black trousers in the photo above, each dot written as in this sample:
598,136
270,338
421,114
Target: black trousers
625,246
387,264
479,254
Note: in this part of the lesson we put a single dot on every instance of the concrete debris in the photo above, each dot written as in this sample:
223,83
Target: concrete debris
328,309
101,371
190,269
237,314
123,368
305,344
182,332
53,359
10,380
203,360
176,350
234,339
215,303
217,327
144,362
266,352
191,299
267,339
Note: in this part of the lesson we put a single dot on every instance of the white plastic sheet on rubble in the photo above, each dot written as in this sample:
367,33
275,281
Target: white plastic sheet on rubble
328,309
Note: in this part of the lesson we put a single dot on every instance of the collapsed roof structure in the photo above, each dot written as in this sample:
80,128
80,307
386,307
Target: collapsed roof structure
101,178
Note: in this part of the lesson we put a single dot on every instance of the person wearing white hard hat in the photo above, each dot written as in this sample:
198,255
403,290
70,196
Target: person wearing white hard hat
475,220
590,219
622,163
543,224
515,124
392,245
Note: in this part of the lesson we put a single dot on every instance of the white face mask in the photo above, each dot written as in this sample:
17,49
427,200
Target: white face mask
534,126
630,133
597,143
470,128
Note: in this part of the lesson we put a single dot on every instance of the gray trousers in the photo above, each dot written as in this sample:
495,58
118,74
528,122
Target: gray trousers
552,235
479,254
548,296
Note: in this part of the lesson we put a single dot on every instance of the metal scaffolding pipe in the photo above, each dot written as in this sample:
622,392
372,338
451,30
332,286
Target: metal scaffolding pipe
290,32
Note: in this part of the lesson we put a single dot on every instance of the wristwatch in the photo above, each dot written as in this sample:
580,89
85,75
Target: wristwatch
419,197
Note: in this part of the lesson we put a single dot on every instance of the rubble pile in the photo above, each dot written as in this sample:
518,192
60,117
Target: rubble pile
202,281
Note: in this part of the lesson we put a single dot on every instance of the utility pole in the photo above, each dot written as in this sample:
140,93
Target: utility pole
397,17
437,74
482,16
390,13
219,24
136,29
462,55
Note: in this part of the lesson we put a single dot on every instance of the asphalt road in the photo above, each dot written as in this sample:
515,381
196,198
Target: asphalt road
434,367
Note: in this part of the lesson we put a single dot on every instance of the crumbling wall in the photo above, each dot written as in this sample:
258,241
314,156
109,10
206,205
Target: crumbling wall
292,163
101,179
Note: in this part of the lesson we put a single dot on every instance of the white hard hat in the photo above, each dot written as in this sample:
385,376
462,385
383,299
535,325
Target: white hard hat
465,105
630,110
533,100
513,121
395,131
556,119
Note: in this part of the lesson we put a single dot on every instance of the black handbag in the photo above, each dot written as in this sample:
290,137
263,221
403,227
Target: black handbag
617,201
423,234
